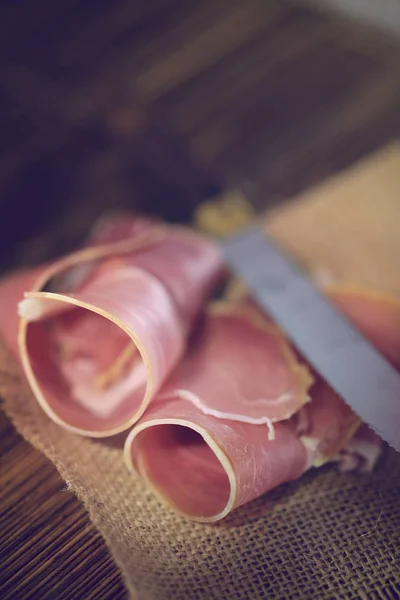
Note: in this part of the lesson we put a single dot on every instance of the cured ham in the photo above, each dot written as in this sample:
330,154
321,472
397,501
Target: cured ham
101,329
205,442
256,377
223,407
204,464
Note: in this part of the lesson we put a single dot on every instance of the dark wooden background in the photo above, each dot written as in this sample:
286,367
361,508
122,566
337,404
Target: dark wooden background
156,106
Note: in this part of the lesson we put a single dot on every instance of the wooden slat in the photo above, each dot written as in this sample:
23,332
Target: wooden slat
49,548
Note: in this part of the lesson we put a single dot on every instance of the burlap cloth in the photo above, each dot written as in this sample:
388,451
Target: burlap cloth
324,536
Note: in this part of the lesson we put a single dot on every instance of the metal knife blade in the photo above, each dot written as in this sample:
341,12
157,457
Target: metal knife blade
341,355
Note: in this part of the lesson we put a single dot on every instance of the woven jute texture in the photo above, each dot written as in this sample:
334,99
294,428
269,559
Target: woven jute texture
325,536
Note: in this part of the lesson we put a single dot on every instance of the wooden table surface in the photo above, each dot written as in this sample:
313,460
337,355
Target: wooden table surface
49,548
157,106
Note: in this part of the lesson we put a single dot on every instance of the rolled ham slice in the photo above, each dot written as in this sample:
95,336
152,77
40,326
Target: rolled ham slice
204,466
101,329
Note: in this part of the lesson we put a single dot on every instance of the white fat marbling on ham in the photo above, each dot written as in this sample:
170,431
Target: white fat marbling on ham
240,367
361,453
81,375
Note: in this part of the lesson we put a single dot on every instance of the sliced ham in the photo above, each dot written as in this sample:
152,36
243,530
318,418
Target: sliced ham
102,336
205,443
256,377
204,467
101,329
203,464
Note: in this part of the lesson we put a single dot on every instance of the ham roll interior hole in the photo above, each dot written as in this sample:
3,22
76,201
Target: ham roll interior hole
182,469
89,371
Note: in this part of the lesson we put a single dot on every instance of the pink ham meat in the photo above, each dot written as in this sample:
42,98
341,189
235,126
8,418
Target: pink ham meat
101,329
269,383
204,466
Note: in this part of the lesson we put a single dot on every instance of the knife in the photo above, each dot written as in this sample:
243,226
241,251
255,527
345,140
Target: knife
324,336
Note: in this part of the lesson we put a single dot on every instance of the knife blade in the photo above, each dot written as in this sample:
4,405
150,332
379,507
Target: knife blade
323,335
